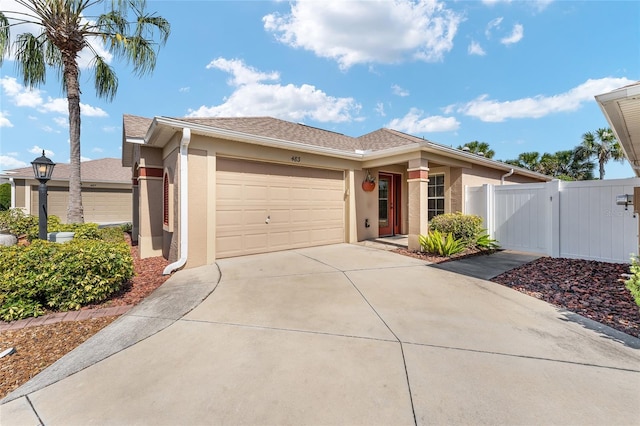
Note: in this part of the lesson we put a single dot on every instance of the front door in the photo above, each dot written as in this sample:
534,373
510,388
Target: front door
388,204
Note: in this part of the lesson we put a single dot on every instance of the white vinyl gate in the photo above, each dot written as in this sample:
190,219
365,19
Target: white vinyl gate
560,219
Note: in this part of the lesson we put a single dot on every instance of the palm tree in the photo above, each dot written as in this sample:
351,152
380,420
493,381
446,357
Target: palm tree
527,160
480,148
66,29
602,145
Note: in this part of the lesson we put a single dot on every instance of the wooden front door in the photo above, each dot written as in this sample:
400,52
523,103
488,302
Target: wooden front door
389,204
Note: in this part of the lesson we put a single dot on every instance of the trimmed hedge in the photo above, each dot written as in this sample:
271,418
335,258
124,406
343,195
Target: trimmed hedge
463,227
60,276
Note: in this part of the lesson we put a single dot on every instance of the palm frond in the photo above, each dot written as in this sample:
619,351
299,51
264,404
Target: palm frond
31,59
5,45
106,81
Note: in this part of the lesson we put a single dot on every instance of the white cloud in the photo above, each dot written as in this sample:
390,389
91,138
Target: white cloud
62,121
357,32
380,109
493,24
516,35
91,111
399,91
96,149
538,5
289,102
38,151
489,110
4,121
61,106
475,49
8,162
82,159
415,123
184,89
242,74
109,129
19,95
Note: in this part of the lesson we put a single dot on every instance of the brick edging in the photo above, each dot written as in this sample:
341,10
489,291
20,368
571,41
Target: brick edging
64,316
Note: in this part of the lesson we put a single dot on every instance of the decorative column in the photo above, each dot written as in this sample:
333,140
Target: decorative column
418,179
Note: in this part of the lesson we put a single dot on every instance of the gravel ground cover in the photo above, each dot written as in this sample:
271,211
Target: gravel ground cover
40,346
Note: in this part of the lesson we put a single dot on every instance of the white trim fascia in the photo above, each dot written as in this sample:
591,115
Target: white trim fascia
618,94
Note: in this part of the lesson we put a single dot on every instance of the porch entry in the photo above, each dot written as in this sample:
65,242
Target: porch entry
389,202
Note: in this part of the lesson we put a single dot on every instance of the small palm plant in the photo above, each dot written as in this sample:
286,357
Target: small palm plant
436,242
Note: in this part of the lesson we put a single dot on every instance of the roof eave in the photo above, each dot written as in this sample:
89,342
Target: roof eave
609,104
205,130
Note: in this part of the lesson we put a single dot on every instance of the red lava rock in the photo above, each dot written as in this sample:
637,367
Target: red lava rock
589,288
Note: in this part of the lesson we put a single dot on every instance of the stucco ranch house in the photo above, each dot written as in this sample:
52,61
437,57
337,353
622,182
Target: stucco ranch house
209,188
106,190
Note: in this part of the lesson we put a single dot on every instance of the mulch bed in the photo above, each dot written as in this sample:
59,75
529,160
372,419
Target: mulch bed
40,346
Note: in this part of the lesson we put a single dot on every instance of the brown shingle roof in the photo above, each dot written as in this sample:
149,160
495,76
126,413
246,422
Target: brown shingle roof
387,138
280,129
102,170
134,126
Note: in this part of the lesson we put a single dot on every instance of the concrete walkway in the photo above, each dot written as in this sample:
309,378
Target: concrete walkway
341,334
486,267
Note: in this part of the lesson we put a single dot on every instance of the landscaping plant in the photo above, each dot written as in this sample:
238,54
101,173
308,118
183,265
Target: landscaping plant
464,227
61,277
441,244
633,283
485,242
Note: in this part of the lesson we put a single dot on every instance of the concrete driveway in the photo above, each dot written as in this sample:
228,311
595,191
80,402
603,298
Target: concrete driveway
350,335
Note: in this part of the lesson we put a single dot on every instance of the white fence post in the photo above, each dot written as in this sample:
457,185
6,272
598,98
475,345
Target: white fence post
553,218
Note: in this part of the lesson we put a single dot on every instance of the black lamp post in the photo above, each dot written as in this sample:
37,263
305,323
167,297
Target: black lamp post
42,169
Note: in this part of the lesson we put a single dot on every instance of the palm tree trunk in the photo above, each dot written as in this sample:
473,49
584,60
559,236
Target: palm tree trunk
75,212
602,169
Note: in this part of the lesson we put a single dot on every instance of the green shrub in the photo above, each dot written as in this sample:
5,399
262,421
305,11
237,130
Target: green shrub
84,231
126,227
5,196
633,283
442,244
16,222
114,235
462,226
484,242
60,276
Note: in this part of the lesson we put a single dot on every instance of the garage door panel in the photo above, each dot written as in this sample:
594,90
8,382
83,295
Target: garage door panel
305,206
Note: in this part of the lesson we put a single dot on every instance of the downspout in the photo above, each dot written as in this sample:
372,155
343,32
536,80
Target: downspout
506,175
13,193
183,224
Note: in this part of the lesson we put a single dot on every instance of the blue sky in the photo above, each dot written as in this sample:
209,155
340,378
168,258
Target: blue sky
519,75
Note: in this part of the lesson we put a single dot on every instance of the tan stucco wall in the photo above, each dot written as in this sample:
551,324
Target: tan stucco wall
198,208
150,237
170,233
22,193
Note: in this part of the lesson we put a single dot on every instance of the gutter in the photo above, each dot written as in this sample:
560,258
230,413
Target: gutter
13,193
506,175
183,225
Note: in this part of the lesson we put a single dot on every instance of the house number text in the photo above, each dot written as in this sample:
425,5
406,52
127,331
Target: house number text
296,159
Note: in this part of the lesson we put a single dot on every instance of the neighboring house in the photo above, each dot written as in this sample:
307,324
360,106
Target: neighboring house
106,190
621,107
208,188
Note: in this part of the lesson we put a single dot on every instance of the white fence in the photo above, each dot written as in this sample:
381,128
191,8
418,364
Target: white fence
560,219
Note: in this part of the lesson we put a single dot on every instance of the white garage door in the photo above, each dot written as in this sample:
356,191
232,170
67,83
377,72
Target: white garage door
265,207
100,205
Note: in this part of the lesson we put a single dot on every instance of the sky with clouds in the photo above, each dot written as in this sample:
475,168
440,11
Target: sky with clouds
519,75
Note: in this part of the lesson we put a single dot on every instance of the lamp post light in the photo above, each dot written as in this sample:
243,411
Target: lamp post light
42,169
